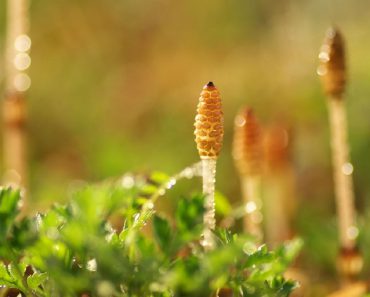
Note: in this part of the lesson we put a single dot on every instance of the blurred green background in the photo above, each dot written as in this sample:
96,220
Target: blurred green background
115,85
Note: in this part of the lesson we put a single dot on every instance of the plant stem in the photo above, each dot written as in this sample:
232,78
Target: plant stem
187,173
279,207
279,191
17,26
17,82
251,188
342,173
209,179
14,140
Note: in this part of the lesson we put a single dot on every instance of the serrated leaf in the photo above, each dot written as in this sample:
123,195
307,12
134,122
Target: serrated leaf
14,272
5,278
261,256
15,276
36,279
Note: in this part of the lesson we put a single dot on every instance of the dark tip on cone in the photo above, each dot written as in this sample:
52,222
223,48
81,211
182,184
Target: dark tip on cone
210,86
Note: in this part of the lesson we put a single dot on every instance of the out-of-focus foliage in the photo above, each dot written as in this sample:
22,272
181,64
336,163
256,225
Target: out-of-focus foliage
72,250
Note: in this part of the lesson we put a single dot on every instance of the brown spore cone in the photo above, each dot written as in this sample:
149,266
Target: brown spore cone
332,68
209,123
277,146
247,144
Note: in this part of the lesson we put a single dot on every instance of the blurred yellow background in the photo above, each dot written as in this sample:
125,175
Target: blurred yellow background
115,86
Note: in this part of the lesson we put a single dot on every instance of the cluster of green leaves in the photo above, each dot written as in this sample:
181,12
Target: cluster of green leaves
76,249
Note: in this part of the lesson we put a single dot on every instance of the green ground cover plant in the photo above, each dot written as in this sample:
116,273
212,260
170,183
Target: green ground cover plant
109,240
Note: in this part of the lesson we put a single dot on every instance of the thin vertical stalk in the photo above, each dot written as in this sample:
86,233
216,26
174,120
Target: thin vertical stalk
279,191
251,189
17,24
342,174
17,61
209,179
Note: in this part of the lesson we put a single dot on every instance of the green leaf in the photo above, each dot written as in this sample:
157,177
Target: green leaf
159,177
189,215
5,278
162,233
9,199
149,189
24,233
290,249
224,236
15,273
37,279
223,206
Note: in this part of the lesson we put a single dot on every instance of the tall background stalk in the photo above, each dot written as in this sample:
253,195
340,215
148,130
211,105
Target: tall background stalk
17,61
247,154
332,71
279,192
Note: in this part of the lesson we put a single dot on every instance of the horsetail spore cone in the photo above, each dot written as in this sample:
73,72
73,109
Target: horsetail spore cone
247,145
209,128
247,154
209,132
332,69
